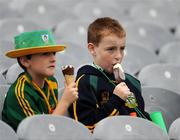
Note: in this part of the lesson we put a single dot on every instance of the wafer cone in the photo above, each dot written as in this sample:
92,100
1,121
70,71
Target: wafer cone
68,72
69,79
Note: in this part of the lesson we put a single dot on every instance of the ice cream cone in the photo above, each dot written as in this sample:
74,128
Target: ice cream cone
118,72
69,79
68,72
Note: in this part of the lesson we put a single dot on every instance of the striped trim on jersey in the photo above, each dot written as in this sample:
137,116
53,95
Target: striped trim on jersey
19,92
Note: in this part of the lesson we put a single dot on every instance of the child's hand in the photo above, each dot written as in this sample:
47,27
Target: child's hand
122,91
70,94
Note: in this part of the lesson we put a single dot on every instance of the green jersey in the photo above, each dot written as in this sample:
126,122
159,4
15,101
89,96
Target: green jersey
25,98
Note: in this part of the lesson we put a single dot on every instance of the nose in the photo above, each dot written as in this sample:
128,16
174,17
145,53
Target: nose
118,56
53,57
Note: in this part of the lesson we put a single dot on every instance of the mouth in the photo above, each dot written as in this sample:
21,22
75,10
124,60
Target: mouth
51,66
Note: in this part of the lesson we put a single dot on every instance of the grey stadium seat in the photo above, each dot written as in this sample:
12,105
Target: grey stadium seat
127,128
161,75
13,72
174,130
6,132
158,14
163,100
169,53
73,30
149,35
46,13
51,127
3,91
136,57
14,26
95,10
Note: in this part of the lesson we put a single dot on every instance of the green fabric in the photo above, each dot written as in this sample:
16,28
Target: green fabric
93,81
34,39
134,81
13,112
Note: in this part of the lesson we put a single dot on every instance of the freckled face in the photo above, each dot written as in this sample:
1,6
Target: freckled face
109,52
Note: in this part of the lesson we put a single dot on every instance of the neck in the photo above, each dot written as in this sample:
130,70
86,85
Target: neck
97,66
38,79
39,82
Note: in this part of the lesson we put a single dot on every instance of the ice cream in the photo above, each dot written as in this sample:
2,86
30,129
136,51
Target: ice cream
118,72
68,72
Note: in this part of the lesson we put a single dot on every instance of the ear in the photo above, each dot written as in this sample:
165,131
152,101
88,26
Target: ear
91,48
24,61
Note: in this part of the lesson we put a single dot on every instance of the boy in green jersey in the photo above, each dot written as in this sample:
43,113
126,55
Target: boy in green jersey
36,91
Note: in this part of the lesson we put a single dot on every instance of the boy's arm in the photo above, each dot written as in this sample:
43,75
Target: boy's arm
87,110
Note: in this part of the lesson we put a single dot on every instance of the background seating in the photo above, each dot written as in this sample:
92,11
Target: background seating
174,130
133,62
3,91
128,128
152,48
46,127
161,75
163,100
6,132
169,53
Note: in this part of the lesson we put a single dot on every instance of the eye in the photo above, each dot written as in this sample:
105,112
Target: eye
122,49
111,48
46,53
49,53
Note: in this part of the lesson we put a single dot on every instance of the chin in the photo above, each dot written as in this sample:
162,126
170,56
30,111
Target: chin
49,74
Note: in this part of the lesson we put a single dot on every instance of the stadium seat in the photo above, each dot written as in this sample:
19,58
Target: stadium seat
174,130
94,10
67,4
161,75
157,14
177,32
51,127
6,132
2,79
46,13
6,46
13,72
73,30
163,100
149,35
136,57
169,53
127,128
7,10
74,54
5,63
124,6
3,91
12,27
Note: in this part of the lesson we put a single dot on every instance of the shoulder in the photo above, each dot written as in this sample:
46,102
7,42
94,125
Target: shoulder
133,80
